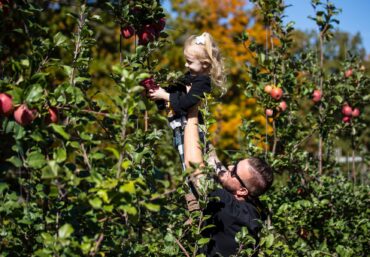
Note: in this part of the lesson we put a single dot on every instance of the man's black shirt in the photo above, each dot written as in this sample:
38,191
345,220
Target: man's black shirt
229,215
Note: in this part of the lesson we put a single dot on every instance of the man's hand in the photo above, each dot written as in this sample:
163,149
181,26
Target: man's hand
213,161
159,94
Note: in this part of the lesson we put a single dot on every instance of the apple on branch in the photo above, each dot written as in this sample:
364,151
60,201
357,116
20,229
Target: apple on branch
316,96
347,110
6,104
276,93
24,116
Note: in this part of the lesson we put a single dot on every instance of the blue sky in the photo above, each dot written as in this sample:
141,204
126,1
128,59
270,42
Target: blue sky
355,16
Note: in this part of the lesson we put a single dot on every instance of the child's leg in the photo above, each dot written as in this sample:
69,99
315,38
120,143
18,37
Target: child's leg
178,140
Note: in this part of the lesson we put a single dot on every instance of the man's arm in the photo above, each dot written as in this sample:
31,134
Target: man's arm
192,148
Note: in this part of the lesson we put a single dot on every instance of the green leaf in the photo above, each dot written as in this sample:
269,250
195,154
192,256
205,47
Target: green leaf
339,98
25,63
15,161
19,131
60,130
65,231
129,209
97,156
60,155
36,160
59,39
37,136
203,241
126,164
95,203
96,17
103,195
47,238
128,187
3,187
114,151
81,79
35,93
269,240
50,171
152,207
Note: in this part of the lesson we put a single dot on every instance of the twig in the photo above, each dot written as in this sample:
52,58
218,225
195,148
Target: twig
305,138
87,111
146,118
275,138
160,196
182,248
123,135
86,158
98,242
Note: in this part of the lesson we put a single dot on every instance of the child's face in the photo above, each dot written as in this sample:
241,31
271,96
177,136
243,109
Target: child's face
192,62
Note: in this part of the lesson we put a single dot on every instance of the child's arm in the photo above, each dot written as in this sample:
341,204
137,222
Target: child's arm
159,94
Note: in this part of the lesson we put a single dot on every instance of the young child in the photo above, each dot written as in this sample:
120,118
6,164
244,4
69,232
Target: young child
205,67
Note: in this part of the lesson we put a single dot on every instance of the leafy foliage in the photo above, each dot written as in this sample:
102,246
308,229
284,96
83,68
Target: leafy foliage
104,180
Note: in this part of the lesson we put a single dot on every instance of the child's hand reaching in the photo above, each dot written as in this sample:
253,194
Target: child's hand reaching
159,94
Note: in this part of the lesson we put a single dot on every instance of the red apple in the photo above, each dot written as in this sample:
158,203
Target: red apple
24,116
299,190
149,83
4,5
346,119
268,89
160,24
347,110
282,106
276,93
269,112
127,31
53,115
316,95
348,73
355,112
146,35
137,10
6,104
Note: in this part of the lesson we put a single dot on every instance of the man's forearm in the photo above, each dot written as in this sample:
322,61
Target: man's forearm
192,148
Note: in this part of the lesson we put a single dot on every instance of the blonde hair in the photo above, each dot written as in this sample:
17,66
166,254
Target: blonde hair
210,55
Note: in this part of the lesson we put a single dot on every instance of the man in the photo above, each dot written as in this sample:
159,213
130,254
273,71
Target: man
236,204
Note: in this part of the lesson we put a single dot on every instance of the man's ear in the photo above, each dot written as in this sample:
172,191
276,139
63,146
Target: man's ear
242,192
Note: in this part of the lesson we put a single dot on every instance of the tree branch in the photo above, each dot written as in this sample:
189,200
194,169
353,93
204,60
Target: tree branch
182,248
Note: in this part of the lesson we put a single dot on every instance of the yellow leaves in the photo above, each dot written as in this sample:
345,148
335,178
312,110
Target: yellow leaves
229,118
128,187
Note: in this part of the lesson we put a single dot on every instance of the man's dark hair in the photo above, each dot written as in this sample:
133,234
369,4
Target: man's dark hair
262,177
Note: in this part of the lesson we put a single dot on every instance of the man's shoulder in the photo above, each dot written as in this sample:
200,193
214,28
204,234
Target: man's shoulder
221,194
242,209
